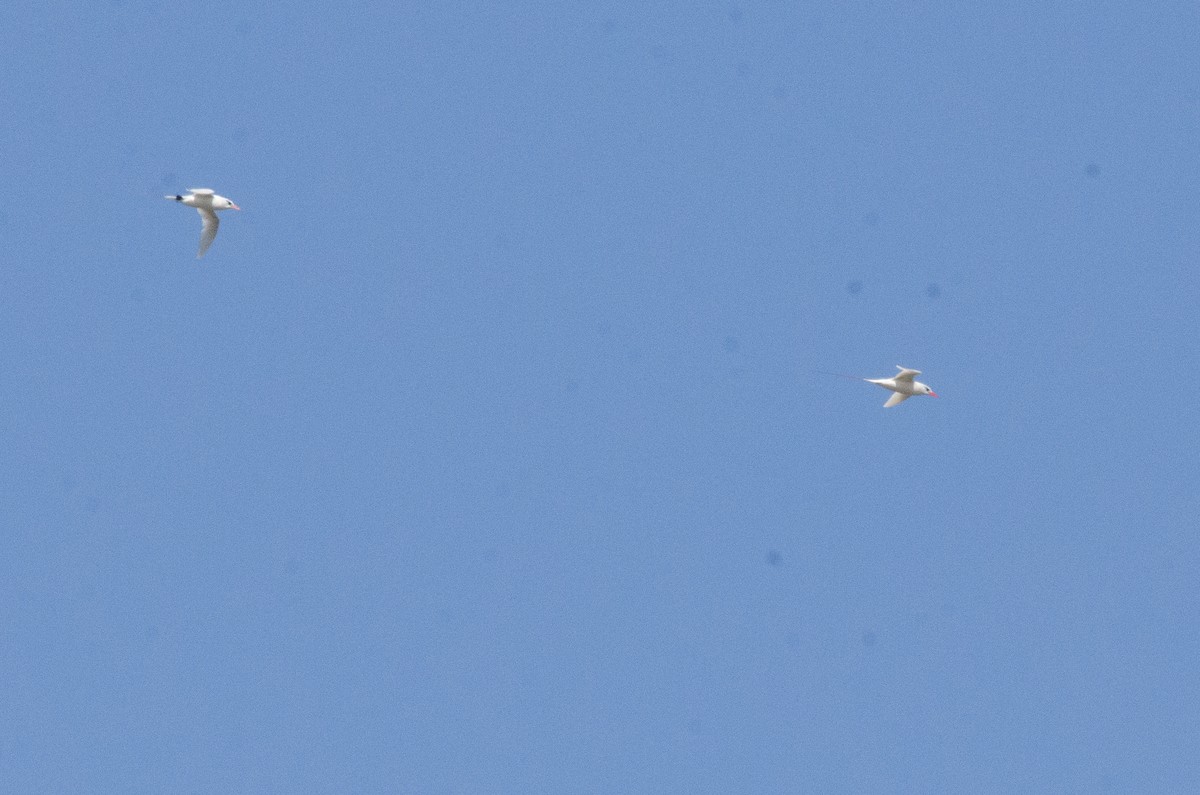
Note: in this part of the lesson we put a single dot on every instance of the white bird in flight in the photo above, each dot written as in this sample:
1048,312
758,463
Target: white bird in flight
207,204
901,383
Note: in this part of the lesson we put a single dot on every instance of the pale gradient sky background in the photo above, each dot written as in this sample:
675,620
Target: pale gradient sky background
483,452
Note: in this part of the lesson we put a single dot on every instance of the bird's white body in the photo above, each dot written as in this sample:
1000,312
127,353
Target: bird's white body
207,203
903,385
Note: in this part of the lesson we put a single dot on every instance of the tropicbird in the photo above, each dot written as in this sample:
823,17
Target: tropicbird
902,384
207,204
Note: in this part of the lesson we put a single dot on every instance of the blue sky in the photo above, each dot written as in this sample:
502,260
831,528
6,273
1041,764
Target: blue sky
484,451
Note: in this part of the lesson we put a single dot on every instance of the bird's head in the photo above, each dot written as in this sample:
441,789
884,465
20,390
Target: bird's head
924,390
226,204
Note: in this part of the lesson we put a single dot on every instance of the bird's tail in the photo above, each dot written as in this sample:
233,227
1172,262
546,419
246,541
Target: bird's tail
175,198
841,375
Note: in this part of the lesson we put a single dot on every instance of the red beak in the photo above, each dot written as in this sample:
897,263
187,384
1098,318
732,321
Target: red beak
233,206
933,394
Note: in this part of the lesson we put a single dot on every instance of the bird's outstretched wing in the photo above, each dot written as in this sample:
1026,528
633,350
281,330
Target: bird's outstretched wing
211,222
896,399
905,374
201,191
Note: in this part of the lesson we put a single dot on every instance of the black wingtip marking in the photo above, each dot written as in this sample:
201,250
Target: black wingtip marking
178,198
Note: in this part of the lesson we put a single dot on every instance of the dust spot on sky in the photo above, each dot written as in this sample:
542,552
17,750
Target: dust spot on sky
743,68
933,291
659,53
869,638
1093,170
780,92
137,295
731,344
735,14
774,558
571,386
854,287
871,219
240,135
169,178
